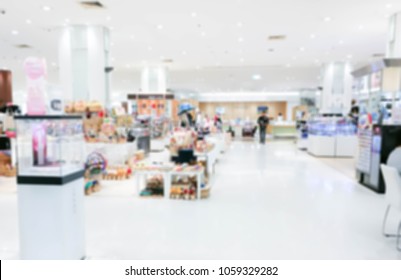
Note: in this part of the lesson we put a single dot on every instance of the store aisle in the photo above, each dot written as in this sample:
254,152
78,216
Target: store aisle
268,202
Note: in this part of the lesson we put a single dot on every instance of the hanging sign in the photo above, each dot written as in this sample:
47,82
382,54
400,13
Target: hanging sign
35,71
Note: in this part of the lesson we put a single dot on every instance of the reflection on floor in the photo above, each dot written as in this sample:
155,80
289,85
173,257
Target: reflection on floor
268,202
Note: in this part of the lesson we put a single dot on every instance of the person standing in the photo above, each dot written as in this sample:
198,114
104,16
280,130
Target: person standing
263,122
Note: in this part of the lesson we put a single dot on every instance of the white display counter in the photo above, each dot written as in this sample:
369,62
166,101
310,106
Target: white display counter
332,146
321,146
51,221
346,146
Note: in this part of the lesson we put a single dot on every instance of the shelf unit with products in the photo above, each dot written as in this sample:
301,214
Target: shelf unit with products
379,119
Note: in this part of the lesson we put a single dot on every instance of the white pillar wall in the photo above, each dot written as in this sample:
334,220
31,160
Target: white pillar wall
337,88
394,37
154,79
83,58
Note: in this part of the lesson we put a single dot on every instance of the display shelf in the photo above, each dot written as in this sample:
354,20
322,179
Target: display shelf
331,137
142,177
198,174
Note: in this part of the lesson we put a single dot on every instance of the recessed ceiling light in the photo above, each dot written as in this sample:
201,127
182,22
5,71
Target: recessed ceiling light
288,65
113,59
294,58
108,18
203,34
312,36
317,61
360,27
15,32
240,39
239,24
160,27
327,19
341,42
193,14
389,5
46,8
242,60
54,64
28,21
301,49
184,53
128,65
349,56
67,20
256,77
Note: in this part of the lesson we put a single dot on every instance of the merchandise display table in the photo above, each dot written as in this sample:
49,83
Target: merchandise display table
199,174
168,175
283,130
332,146
142,176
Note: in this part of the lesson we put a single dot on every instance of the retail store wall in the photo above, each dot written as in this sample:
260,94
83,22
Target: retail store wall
5,87
243,110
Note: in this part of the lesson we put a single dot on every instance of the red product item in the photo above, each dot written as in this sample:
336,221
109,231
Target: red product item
101,114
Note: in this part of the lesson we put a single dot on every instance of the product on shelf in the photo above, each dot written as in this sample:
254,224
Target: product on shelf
95,166
117,173
183,187
91,186
82,106
154,186
182,139
6,169
161,167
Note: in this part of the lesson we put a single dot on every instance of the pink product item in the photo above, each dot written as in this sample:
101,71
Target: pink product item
35,68
11,134
36,101
39,144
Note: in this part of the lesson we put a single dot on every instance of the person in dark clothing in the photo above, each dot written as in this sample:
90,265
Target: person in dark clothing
190,119
263,122
354,112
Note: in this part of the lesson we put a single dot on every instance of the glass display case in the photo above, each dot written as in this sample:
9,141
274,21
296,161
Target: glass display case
50,146
331,127
332,137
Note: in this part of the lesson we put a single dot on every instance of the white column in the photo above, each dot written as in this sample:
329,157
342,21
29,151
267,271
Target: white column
83,58
394,37
154,79
337,88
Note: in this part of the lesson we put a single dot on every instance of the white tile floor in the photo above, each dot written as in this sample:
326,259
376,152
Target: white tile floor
269,202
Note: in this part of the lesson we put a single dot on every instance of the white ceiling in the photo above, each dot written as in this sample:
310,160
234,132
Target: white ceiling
216,45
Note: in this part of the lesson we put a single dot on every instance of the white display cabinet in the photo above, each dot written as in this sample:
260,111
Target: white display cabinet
332,137
50,153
